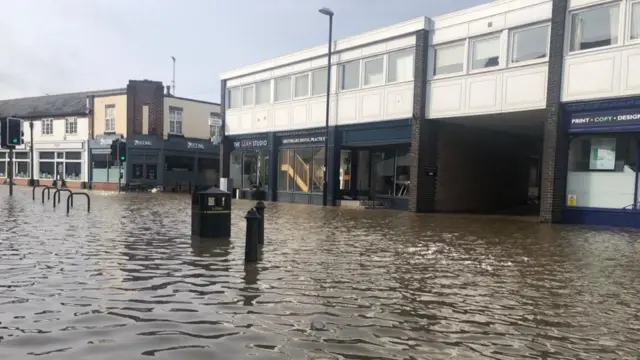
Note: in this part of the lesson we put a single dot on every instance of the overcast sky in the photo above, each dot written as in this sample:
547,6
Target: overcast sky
58,46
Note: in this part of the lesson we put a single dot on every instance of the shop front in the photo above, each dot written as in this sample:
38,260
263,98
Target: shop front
103,170
21,165
301,167
602,168
374,163
60,161
250,165
144,159
190,162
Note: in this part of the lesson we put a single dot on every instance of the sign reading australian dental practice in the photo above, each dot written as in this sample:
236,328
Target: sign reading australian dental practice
618,119
303,139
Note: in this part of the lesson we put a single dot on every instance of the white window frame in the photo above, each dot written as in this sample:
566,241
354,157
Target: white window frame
229,97
253,101
175,120
465,50
324,91
569,26
340,77
627,36
363,73
46,124
295,77
109,120
501,60
512,38
255,92
69,123
275,89
388,65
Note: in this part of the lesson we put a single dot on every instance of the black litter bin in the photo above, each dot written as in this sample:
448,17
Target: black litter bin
258,194
211,213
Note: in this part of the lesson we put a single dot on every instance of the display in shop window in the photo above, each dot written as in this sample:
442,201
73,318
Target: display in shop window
151,172
603,154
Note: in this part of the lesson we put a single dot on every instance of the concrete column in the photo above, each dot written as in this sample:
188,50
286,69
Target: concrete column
555,149
424,135
226,145
333,165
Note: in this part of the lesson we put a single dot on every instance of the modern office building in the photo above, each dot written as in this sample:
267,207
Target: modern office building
474,111
171,141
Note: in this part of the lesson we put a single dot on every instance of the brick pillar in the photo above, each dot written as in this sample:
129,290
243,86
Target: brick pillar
273,167
140,93
555,149
424,135
226,145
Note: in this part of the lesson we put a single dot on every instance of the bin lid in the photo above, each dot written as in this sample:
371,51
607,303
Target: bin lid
214,191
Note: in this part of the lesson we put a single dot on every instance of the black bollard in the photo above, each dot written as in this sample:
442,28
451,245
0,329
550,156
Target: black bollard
251,243
260,210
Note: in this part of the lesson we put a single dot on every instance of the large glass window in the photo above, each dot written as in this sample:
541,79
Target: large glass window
449,59
350,75
22,165
301,170
247,96
390,171
602,171
302,85
319,82
3,168
400,66
263,92
635,21
104,169
57,165
178,163
485,53
250,169
530,44
283,89
595,27
373,70
235,98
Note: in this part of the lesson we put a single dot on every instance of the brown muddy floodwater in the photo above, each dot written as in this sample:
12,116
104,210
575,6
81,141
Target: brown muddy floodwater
127,282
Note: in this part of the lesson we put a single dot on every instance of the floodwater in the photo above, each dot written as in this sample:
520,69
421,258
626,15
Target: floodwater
127,282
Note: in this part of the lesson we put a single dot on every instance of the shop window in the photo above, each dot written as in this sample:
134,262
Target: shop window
373,69
595,27
485,52
73,155
247,96
3,168
47,169
263,92
400,66
178,163
302,85
350,75
235,98
286,173
602,171
319,82
152,171
390,171
283,89
73,170
530,44
449,59
103,168
317,182
137,171
301,170
635,21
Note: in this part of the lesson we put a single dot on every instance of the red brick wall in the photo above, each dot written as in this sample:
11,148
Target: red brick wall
104,186
481,170
140,93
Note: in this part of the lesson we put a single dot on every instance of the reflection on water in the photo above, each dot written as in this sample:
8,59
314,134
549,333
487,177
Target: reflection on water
128,281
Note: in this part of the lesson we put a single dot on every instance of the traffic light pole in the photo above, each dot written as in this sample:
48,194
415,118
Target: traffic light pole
119,167
32,181
10,172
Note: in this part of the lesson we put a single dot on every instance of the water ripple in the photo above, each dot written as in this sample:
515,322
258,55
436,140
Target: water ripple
128,281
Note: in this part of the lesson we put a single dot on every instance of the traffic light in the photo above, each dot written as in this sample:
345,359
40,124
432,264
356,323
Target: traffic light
11,132
114,149
122,151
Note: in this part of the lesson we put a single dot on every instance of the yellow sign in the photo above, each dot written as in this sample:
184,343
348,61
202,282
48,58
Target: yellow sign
572,200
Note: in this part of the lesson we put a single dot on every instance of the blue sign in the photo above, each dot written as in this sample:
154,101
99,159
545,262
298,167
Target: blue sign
605,120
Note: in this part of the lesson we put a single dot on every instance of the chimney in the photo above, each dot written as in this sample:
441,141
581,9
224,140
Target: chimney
168,87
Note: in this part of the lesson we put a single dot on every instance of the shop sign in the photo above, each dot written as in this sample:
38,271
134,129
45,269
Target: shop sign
141,142
572,200
299,140
194,145
619,118
250,143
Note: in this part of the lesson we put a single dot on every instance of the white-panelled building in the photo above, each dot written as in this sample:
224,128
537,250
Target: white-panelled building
478,110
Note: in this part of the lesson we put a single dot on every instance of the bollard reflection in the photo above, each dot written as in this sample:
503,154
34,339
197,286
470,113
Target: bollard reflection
250,292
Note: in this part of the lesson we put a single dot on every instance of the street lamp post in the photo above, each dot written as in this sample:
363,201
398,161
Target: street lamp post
329,13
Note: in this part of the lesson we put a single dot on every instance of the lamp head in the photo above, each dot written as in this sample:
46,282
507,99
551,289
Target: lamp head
326,11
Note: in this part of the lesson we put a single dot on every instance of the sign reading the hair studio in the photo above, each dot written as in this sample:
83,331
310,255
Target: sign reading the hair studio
251,143
622,118
300,140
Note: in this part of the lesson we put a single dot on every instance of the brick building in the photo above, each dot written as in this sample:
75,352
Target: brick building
495,107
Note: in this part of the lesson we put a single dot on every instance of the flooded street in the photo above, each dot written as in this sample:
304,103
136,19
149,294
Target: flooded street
126,282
